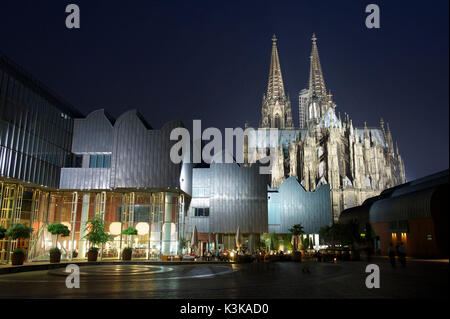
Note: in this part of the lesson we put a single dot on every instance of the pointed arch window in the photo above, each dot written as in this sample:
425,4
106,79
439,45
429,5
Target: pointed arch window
277,121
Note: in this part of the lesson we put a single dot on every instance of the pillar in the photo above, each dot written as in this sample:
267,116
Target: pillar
167,226
84,218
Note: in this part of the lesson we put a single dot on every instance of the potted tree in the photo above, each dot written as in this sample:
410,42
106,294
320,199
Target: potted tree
96,236
297,231
2,232
57,229
128,251
19,231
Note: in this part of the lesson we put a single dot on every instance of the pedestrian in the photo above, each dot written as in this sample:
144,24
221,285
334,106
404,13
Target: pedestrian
402,254
391,253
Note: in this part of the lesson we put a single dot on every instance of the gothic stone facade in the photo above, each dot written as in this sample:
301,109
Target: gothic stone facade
356,162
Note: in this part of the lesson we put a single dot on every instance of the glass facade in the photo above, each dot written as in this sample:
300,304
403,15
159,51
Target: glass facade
157,216
35,128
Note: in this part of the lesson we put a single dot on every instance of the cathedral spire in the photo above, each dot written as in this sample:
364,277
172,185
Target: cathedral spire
275,87
316,81
276,107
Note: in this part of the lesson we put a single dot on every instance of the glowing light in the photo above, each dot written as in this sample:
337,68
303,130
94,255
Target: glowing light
142,228
232,254
115,228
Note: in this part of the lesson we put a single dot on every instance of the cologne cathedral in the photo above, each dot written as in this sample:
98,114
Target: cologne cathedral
325,148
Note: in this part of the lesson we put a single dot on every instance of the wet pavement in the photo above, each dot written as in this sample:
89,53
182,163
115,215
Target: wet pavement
420,279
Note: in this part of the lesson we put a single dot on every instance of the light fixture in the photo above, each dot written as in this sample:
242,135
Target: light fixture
142,228
115,228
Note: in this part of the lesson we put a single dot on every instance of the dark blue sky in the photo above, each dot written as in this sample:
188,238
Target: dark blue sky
210,60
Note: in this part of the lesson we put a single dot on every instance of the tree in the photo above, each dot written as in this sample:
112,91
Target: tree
130,231
58,229
305,243
287,242
19,231
2,232
325,233
97,234
182,243
296,230
343,234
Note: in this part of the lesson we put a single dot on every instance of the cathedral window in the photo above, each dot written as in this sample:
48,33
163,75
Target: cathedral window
277,121
368,182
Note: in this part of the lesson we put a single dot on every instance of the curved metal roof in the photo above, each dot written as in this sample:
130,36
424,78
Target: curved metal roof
403,207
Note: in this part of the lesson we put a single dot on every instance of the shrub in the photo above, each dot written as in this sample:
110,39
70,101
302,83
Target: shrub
58,229
18,231
55,250
94,249
19,251
2,232
97,234
130,231
128,249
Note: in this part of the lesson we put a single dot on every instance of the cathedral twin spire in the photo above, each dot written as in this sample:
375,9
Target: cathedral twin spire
316,80
275,87
276,108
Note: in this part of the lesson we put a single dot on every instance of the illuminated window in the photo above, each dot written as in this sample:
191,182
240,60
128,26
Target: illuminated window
100,161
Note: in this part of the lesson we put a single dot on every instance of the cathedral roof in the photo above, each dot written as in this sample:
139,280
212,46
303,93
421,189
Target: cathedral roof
375,133
329,119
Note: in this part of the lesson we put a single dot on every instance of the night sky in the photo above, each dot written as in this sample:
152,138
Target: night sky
210,61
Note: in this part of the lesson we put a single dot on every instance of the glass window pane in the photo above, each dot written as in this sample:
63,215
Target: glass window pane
107,161
92,161
99,161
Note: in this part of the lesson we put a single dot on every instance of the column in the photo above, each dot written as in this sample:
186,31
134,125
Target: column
167,226
84,218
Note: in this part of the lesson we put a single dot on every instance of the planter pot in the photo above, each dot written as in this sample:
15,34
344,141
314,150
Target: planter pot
92,255
55,257
17,259
126,254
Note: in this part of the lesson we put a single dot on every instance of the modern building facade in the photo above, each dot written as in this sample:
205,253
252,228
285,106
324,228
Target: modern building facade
226,196
35,143
357,162
60,166
414,213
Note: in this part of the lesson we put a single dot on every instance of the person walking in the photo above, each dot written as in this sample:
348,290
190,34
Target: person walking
402,254
391,253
